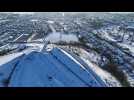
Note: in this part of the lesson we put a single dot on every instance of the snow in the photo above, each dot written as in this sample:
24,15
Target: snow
18,37
31,47
22,13
103,74
51,22
7,58
130,47
1,21
38,40
31,37
34,20
105,34
108,37
4,46
57,37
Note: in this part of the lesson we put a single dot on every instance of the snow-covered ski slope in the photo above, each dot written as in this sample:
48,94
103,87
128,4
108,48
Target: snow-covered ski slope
56,68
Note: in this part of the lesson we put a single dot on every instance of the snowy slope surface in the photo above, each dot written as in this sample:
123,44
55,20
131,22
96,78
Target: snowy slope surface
53,69
7,58
107,77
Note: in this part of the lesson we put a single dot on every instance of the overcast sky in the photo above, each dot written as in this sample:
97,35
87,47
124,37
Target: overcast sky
73,12
19,12
23,12
122,12
68,12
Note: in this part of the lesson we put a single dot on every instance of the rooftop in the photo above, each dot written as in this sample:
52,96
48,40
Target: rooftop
56,68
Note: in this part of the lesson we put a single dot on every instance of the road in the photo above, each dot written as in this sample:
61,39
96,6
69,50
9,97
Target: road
6,45
18,37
